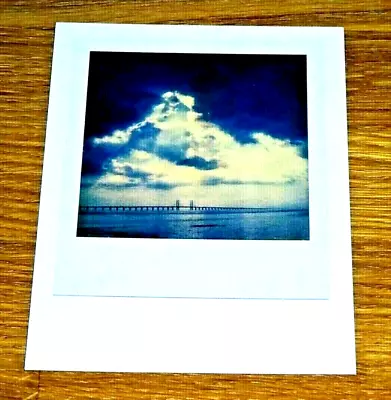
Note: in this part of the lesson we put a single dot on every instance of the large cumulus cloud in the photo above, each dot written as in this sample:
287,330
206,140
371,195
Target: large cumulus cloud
174,146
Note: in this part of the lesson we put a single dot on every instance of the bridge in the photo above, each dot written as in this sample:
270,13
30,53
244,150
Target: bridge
177,207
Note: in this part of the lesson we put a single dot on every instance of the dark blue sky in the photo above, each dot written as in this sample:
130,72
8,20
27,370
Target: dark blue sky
240,93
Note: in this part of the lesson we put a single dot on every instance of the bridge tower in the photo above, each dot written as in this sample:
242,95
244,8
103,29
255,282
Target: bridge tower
191,204
177,204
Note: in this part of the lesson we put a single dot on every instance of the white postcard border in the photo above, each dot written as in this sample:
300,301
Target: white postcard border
196,335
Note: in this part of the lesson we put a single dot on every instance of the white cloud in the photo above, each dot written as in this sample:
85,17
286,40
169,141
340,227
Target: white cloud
119,137
189,152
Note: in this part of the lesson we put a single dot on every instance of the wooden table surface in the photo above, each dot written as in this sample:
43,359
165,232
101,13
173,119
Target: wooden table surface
26,39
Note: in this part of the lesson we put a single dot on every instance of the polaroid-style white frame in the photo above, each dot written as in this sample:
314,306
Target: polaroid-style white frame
134,305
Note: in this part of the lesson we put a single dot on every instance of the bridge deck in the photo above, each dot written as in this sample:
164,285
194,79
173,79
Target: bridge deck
123,208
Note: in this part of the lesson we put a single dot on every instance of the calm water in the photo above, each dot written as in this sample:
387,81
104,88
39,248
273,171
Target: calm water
267,225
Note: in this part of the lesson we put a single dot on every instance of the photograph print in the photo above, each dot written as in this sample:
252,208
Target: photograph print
195,146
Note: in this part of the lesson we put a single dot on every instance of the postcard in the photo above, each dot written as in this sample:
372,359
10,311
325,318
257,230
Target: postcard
194,212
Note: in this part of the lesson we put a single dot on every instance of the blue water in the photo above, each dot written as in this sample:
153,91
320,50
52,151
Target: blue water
266,225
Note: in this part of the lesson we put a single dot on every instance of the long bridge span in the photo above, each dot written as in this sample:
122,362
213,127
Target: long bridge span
159,207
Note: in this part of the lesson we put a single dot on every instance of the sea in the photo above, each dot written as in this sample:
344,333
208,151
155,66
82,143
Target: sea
197,224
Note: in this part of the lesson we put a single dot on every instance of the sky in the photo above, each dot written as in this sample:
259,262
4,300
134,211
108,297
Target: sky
216,129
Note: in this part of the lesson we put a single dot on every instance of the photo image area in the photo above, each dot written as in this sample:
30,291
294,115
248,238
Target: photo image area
195,146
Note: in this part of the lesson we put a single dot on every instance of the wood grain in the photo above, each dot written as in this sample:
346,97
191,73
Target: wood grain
26,38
